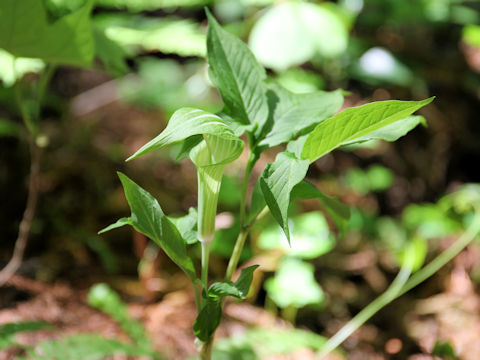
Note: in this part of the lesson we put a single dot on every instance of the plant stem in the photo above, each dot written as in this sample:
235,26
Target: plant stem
205,258
402,284
26,223
237,250
252,159
42,87
206,351
198,301
467,237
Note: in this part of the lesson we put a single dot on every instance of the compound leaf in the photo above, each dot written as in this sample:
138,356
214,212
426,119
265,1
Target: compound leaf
277,182
238,75
26,32
295,113
355,123
148,218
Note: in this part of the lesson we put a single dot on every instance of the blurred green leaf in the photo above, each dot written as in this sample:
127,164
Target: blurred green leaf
149,5
471,35
8,331
262,343
169,35
444,350
300,81
13,69
429,221
339,212
9,128
377,66
102,297
111,54
294,285
277,181
310,237
354,123
238,76
229,191
291,33
25,32
85,347
420,249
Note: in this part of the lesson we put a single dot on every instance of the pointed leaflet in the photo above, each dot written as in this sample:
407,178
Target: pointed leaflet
354,123
394,131
339,212
148,218
208,319
295,113
238,289
187,226
183,124
26,32
277,181
238,76
120,222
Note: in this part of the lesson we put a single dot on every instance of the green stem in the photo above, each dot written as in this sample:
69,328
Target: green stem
402,284
252,159
237,250
206,350
437,263
42,87
205,258
198,301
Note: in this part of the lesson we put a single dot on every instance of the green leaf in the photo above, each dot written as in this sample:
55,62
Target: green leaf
277,182
339,212
310,237
238,76
120,222
26,32
149,5
444,350
184,123
111,54
13,69
294,285
9,128
169,35
187,226
148,218
354,123
86,346
13,328
291,33
238,289
295,113
208,319
102,297
394,131
8,331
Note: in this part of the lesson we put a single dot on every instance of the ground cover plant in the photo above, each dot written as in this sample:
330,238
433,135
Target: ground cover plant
269,115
